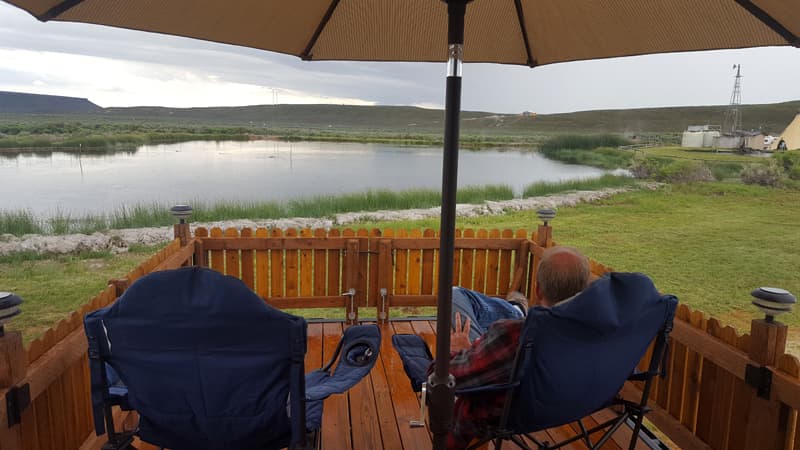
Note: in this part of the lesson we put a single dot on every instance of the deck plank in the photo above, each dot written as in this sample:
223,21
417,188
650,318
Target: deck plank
387,420
404,400
336,411
375,414
363,412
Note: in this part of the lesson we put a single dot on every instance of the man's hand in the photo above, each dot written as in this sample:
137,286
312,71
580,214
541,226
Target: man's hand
459,337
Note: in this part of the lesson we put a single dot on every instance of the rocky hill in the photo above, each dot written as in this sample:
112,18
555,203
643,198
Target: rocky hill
22,103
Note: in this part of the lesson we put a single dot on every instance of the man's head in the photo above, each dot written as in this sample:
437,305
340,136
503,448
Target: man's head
562,273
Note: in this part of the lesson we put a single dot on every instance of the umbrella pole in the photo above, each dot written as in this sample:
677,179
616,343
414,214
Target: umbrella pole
441,384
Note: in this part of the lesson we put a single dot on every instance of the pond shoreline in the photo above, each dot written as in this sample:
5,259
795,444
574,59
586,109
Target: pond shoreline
118,241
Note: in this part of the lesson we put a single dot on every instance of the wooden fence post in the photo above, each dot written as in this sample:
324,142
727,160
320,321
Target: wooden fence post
544,235
544,239
13,367
181,229
385,272
120,285
351,282
766,424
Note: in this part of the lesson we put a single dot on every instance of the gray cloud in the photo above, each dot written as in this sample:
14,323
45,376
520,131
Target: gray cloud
645,81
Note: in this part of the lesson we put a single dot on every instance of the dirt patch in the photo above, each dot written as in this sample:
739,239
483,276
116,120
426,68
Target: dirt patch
95,264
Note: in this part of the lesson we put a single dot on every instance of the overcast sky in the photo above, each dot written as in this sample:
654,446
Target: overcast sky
114,67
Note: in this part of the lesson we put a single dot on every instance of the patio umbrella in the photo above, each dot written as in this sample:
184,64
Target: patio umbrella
524,32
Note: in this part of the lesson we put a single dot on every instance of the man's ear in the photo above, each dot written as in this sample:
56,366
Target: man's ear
539,300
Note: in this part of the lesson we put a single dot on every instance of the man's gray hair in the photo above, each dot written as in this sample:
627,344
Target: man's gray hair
562,273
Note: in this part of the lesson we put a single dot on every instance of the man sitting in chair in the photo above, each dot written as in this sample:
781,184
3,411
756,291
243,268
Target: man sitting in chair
484,345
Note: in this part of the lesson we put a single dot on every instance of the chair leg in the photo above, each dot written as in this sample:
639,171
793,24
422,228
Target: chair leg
498,444
611,431
584,434
520,443
124,443
422,403
637,427
539,444
312,442
122,440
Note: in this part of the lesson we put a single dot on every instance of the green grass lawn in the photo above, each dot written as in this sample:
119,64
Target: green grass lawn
700,154
709,244
54,287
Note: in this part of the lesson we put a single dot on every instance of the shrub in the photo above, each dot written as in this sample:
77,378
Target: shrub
790,162
794,173
723,171
671,170
684,171
770,174
644,168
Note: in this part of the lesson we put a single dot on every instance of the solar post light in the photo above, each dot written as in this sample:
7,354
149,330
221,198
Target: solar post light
181,212
773,301
9,307
181,229
546,215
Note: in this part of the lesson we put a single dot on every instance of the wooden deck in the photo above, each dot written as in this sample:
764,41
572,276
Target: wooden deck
375,414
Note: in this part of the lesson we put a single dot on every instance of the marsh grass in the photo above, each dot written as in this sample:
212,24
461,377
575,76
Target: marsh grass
583,141
598,150
19,223
157,214
79,136
586,184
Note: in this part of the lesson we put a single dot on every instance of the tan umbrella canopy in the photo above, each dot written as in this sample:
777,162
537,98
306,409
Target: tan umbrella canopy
525,32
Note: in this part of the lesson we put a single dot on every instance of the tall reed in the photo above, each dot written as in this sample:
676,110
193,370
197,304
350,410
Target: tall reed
19,223
157,214
591,150
586,184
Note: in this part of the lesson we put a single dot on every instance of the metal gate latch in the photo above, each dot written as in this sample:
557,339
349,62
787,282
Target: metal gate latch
18,398
759,378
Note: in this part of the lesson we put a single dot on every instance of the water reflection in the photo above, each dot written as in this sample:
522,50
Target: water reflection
249,171
82,153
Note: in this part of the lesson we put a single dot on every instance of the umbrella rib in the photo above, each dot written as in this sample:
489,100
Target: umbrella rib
306,55
521,17
58,9
770,21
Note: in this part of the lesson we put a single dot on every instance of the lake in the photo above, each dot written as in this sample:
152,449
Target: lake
256,170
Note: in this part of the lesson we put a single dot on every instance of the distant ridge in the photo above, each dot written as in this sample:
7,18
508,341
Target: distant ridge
769,117
22,103
404,119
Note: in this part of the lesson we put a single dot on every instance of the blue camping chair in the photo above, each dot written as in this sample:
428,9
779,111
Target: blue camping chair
209,366
573,359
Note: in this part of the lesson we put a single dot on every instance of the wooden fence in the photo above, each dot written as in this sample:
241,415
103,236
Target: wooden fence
366,273
724,390
53,373
716,394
